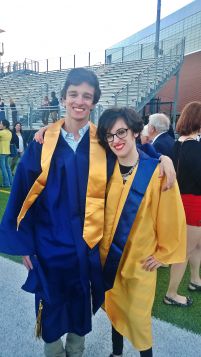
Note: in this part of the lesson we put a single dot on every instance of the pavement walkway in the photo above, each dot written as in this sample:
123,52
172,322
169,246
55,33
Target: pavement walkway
17,321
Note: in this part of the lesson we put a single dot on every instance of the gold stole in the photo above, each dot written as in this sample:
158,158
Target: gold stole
95,197
96,189
50,141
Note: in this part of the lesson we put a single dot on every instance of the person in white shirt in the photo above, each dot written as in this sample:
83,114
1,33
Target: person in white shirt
19,141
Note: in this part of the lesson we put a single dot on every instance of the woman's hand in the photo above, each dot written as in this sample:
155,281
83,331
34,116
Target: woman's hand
27,262
151,264
167,169
39,135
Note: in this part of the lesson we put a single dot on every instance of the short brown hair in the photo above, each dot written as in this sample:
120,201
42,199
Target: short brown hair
109,117
77,76
190,119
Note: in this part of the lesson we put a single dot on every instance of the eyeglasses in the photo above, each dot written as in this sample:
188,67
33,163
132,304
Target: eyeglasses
120,133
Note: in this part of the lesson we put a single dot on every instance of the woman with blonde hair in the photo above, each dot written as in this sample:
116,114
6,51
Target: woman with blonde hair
187,162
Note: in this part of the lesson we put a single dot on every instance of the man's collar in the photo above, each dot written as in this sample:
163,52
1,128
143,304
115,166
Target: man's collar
156,137
81,131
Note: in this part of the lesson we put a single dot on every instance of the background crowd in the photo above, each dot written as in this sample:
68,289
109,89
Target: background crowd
51,108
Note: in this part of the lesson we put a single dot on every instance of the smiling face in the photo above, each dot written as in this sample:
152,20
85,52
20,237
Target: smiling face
17,127
79,102
123,146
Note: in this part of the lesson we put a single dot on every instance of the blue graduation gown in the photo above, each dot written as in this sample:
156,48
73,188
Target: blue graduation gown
69,271
66,272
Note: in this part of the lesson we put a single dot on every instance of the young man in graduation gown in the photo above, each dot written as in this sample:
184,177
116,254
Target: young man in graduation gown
144,228
55,218
46,219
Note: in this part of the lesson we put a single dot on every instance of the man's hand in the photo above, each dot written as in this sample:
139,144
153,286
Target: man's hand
151,264
167,169
39,135
27,262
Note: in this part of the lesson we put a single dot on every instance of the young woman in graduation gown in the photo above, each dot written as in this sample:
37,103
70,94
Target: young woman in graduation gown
144,228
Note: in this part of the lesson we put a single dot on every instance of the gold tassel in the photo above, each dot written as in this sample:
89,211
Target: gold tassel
38,327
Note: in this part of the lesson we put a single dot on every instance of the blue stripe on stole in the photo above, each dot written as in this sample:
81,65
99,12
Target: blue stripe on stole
141,180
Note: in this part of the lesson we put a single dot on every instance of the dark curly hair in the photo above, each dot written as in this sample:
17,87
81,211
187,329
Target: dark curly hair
109,118
77,76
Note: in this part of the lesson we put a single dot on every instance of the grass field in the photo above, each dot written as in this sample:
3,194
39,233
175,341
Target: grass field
4,194
188,318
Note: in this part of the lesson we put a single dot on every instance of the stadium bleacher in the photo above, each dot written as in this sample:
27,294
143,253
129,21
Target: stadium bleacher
131,83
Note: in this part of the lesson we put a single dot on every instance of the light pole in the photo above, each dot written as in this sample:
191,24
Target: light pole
2,47
156,46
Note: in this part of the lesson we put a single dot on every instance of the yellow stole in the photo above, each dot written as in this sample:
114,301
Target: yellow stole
95,197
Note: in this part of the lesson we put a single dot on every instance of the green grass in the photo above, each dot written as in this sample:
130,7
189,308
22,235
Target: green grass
183,317
187,318
4,194
3,200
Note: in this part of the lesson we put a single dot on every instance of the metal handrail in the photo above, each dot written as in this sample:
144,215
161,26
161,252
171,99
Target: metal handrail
174,56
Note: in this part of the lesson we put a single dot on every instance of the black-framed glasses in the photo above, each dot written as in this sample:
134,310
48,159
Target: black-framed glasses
120,133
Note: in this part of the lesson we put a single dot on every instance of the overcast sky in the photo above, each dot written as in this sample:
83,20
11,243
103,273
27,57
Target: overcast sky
40,29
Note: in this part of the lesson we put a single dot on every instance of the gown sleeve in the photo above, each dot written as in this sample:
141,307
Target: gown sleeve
149,150
21,242
170,228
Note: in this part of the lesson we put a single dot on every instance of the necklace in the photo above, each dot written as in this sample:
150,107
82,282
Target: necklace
125,176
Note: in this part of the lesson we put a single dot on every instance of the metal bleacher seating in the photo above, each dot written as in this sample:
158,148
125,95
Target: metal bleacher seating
131,83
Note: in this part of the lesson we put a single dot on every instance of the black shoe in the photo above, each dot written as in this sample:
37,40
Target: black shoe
169,301
194,287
